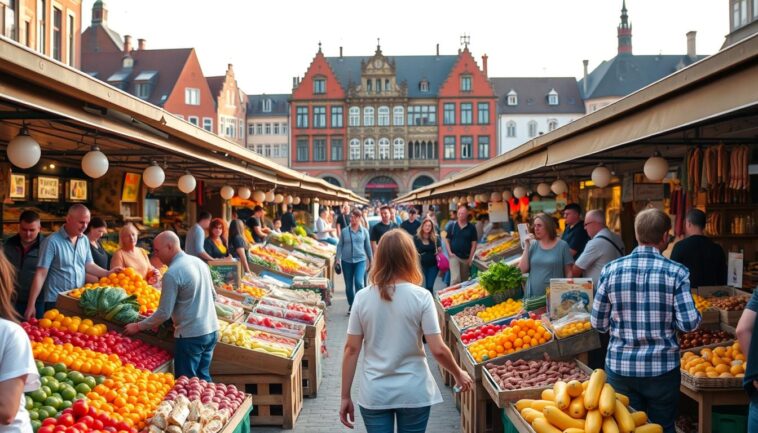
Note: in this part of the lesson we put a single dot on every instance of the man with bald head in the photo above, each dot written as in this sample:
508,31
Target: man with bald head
187,297
65,259
604,246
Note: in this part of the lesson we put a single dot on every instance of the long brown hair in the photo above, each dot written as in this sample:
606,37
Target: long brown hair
432,233
7,277
395,260
219,222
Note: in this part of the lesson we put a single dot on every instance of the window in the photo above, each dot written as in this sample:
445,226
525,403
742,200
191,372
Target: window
422,115
369,150
423,86
512,98
266,106
284,129
142,90
465,83
510,129
483,147
259,128
71,33
319,117
467,147
448,114
354,116
191,96
208,124
398,150
302,117
192,119
240,129
337,117
319,149
467,113
8,19
387,85
398,115
449,150
41,25
57,33
368,116
250,129
267,150
532,126
384,148
319,86
355,149
552,97
552,124
378,85
267,128
739,9
425,150
276,129
384,116
483,113
755,8
337,149
369,85
302,149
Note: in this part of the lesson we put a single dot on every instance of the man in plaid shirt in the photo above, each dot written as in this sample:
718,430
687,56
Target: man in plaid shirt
642,299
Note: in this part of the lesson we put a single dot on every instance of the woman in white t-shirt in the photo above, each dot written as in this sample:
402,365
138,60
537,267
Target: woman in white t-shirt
388,321
18,373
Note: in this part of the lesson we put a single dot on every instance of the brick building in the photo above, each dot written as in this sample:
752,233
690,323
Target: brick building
231,106
52,28
372,124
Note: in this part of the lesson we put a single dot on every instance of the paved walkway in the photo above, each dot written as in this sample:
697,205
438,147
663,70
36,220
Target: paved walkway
321,414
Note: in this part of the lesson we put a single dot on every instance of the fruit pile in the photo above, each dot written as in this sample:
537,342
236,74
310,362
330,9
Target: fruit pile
83,360
309,318
519,335
128,350
59,389
702,337
53,319
133,283
82,418
498,249
275,325
701,303
468,317
225,396
239,335
590,406
720,362
255,292
730,303
475,334
502,310
461,297
276,260
573,328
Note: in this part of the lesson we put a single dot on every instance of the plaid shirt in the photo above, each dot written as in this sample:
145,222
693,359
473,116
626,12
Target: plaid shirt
642,299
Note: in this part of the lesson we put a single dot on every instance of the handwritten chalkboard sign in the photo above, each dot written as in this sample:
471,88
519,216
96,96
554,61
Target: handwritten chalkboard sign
229,270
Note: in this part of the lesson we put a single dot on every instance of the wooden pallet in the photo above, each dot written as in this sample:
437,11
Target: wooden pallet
479,414
277,400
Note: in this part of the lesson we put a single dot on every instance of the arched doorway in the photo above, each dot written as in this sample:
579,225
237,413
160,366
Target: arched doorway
333,180
421,182
382,188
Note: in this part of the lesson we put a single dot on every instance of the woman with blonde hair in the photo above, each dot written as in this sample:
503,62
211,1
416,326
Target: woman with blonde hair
428,245
388,320
18,373
545,256
129,255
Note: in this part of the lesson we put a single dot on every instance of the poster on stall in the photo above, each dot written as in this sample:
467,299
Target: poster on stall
734,277
498,212
569,295
18,186
523,232
47,188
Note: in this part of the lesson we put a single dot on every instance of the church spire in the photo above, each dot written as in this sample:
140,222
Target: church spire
624,32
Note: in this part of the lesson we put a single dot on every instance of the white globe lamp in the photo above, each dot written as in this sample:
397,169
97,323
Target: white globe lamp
278,198
559,187
24,151
470,199
296,201
543,189
601,176
153,176
244,192
656,167
227,192
259,196
187,183
95,163
289,199
507,195
496,196
306,200
270,196
519,191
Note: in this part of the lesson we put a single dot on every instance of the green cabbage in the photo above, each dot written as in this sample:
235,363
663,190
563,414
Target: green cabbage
110,303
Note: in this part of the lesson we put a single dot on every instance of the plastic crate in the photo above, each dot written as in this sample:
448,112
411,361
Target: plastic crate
729,419
508,426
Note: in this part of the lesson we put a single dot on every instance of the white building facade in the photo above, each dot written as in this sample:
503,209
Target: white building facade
268,127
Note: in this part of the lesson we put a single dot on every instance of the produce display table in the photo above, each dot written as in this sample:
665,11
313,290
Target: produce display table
312,358
706,399
258,269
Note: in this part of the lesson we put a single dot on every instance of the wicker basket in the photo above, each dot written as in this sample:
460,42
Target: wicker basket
707,383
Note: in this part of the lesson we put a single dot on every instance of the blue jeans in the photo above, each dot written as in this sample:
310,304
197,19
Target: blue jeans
332,241
430,276
354,274
410,420
192,357
752,420
658,396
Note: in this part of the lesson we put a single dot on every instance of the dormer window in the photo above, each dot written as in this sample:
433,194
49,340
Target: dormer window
266,106
552,97
512,98
127,62
144,83
423,86
319,86
465,83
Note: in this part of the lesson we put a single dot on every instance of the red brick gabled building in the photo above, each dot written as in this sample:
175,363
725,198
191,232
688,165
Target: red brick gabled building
467,131
231,105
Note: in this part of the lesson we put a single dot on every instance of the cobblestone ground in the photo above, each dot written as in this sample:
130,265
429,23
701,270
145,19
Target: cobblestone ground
321,414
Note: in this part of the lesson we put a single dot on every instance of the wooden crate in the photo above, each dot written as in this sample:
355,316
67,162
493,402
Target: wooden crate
278,399
550,349
258,269
238,415
578,343
234,360
312,362
479,414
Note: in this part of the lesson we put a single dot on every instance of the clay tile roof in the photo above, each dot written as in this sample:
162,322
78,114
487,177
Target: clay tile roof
216,84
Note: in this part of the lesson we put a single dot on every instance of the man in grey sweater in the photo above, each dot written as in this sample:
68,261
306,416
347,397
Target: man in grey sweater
187,297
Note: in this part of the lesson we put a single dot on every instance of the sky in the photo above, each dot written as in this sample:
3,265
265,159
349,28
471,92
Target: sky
269,42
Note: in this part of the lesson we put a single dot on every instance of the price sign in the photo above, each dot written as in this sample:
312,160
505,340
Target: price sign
248,301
